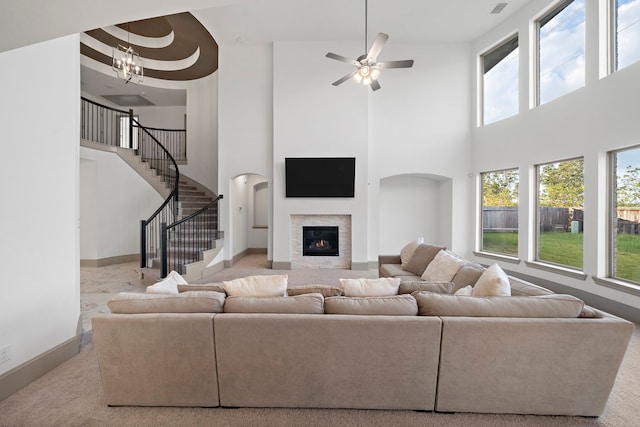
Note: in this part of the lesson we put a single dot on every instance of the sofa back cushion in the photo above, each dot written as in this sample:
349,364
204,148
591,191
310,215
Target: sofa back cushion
547,306
187,302
521,288
408,250
299,304
421,258
396,305
467,275
414,286
211,287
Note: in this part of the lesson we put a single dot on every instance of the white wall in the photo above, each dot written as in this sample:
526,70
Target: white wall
202,132
601,116
40,112
113,200
245,120
418,123
161,117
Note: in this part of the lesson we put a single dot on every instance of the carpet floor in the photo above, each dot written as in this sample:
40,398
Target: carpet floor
71,394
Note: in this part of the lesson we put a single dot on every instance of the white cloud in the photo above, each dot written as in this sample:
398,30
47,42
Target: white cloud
501,89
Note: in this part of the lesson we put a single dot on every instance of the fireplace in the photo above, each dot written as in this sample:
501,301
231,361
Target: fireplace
320,241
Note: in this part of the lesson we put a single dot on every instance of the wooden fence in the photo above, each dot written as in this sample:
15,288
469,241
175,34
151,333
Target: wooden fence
505,219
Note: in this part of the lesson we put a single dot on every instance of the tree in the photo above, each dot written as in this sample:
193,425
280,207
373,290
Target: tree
628,190
500,188
562,184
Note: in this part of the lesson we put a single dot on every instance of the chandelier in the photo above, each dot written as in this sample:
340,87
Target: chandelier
127,63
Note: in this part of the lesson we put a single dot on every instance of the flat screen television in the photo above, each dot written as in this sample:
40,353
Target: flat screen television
320,176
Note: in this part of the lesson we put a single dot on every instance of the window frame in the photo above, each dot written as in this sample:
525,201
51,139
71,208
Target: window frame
481,74
537,262
548,14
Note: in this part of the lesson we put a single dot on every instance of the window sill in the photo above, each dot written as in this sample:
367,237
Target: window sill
569,272
498,257
617,284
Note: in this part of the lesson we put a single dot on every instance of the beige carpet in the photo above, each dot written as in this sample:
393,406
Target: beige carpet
71,395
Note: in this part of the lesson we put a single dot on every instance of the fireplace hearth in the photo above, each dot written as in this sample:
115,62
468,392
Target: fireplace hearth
320,241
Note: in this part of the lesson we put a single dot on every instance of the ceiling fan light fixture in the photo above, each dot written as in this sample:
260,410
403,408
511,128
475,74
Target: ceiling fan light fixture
375,73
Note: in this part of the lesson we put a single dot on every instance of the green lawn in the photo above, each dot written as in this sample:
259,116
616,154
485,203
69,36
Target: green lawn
566,249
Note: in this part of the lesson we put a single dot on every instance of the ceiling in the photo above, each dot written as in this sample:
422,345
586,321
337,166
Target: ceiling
251,22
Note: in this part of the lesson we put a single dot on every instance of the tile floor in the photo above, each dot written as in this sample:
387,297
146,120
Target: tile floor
99,284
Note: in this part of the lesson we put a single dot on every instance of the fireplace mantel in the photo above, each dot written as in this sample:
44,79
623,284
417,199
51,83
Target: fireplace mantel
343,260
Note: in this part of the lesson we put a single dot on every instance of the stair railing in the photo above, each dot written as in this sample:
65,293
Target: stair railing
183,241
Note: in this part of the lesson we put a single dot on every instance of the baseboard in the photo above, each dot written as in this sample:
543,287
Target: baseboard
602,303
23,375
281,265
120,259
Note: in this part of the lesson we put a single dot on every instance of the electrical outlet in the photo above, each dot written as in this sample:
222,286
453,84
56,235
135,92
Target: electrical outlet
5,354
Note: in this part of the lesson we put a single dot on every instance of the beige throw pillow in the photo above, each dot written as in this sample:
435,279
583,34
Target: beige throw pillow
408,250
466,291
383,286
444,266
257,286
492,283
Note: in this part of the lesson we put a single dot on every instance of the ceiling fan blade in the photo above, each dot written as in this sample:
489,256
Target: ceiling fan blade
374,85
342,58
377,46
407,63
345,78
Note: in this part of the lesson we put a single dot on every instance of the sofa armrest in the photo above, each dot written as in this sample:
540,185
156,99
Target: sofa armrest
388,259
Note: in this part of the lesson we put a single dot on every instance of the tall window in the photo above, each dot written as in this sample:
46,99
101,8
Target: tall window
561,42
500,81
625,224
627,32
500,212
561,213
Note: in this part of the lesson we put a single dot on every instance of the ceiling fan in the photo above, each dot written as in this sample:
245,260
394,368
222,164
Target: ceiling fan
367,68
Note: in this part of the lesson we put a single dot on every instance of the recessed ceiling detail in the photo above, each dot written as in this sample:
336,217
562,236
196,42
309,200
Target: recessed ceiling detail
178,46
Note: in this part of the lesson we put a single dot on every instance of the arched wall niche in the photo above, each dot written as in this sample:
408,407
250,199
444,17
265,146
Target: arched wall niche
412,206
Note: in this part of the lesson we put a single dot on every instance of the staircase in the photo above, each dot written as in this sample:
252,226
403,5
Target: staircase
186,224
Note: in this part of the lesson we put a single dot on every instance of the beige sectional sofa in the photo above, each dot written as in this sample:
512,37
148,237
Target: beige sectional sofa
532,353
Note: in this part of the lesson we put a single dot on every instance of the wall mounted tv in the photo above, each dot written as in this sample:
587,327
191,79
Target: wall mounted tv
320,176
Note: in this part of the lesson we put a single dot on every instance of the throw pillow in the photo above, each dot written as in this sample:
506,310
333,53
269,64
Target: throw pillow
325,290
395,305
411,287
257,286
168,285
493,282
383,286
421,257
444,266
466,291
408,250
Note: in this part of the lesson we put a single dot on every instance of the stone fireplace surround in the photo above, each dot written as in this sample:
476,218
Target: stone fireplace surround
343,260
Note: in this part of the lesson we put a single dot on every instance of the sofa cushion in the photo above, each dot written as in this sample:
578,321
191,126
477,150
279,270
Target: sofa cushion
408,250
392,270
370,287
210,287
467,275
257,286
555,305
444,266
168,285
396,305
421,257
187,302
413,286
325,290
521,288
492,283
299,304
